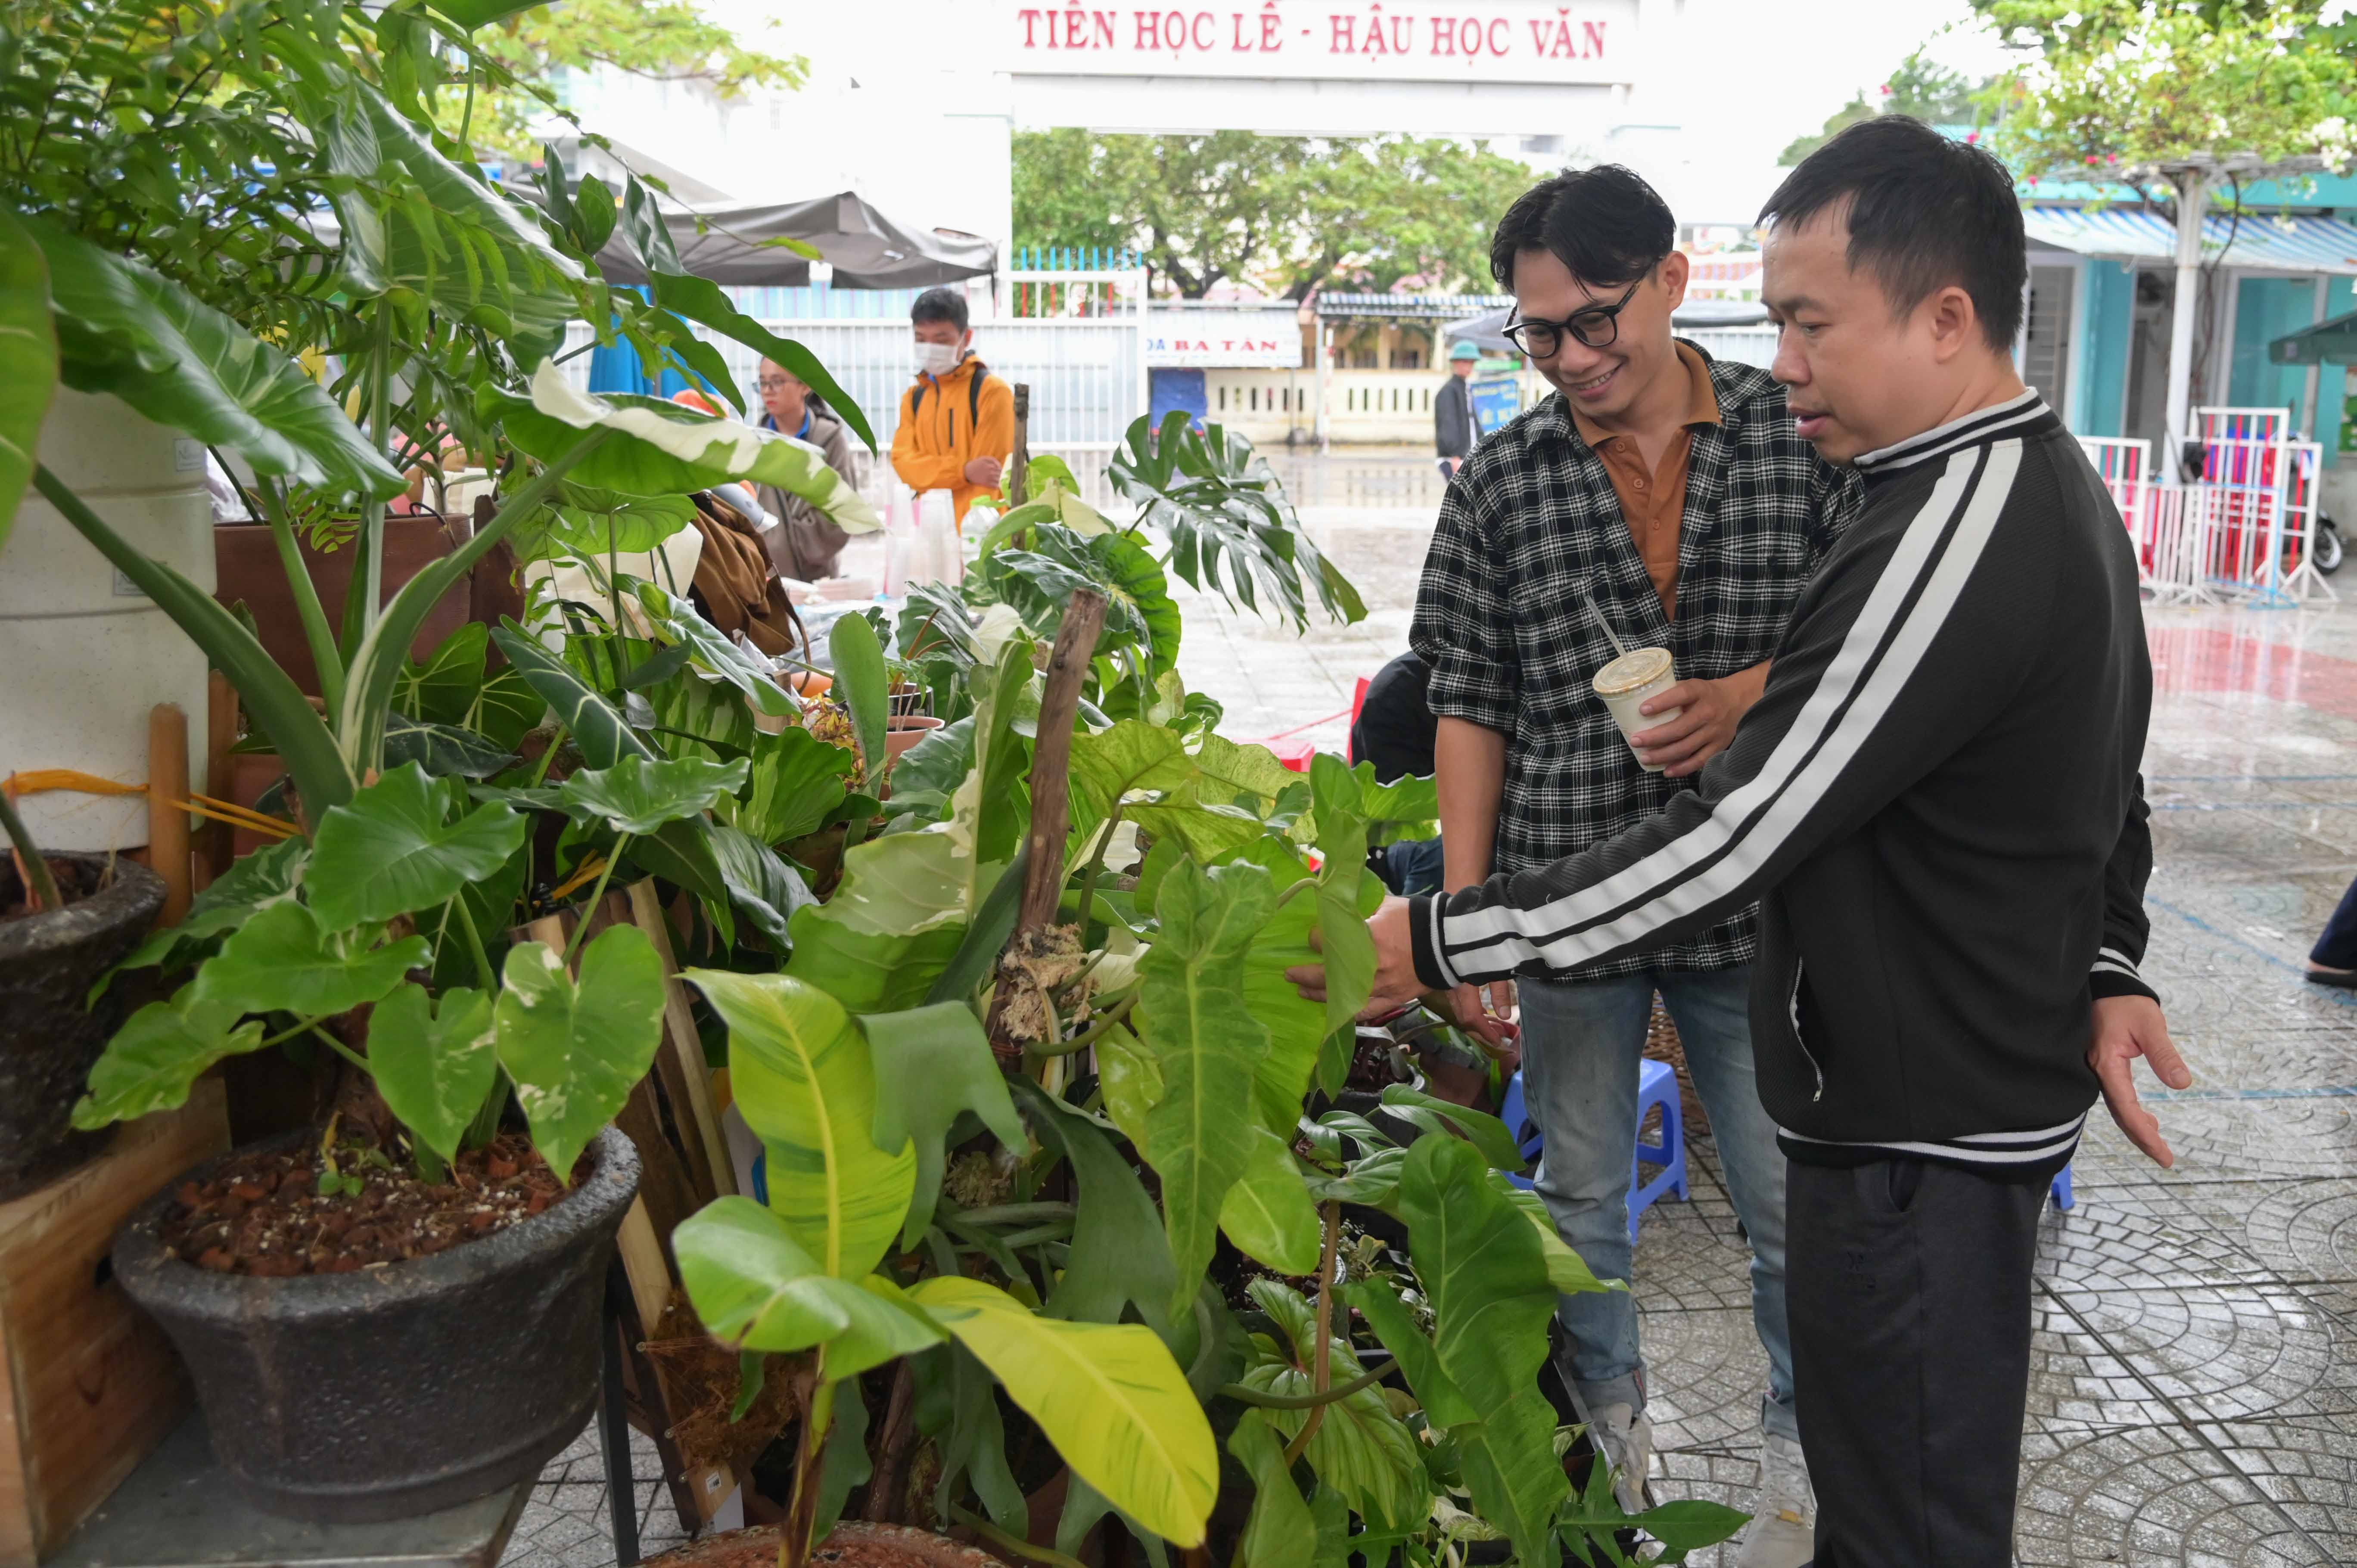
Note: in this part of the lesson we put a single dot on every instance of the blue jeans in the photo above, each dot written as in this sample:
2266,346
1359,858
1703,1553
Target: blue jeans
1581,1044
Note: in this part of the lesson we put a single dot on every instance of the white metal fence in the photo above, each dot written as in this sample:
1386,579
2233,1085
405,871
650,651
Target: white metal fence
2244,532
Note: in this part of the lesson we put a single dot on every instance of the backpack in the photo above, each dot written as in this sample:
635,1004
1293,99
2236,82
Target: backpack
973,402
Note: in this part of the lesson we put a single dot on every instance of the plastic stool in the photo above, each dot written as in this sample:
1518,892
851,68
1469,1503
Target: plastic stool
1657,1084
2061,1190
1293,754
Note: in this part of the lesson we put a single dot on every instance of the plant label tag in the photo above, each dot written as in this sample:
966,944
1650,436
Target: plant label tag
125,589
187,457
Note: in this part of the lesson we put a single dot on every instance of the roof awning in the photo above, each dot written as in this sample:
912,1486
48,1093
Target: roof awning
1409,306
865,247
2327,342
2300,244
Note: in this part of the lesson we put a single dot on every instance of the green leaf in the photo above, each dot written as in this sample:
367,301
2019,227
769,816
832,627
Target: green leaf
1689,1524
598,523
1485,1132
434,1067
393,850
1108,1396
1279,1532
678,620
158,1056
661,448
442,690
446,751
986,939
764,887
29,361
859,676
635,795
755,1287
700,299
1119,1259
281,961
1484,1274
1269,1214
125,329
974,1448
596,727
577,1049
1566,1270
592,208
893,924
797,781
472,14
269,875
1361,1449
805,1082
1349,948
1208,1045
846,1463
1297,1029
932,1064
1445,1405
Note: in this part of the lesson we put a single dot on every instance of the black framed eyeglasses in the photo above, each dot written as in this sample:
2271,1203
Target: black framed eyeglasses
1599,326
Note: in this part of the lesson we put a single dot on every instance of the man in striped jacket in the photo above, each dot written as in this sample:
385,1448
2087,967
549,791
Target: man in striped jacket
1936,802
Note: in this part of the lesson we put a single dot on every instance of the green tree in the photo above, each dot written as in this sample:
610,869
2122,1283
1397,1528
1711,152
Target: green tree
1286,212
1921,87
664,39
2120,86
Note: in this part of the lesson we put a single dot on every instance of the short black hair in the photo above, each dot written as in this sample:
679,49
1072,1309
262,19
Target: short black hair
1925,210
939,305
1606,224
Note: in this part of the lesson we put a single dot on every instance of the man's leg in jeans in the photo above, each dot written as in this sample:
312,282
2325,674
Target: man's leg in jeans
1713,1016
1581,1040
1910,1341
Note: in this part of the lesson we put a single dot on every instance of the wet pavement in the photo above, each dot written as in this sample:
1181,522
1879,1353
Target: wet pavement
2194,1388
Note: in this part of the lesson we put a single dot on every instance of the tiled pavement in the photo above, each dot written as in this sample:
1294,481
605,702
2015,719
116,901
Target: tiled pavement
2194,1392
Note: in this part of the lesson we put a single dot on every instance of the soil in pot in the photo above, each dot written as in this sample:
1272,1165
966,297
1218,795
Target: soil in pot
263,1213
50,1033
853,1544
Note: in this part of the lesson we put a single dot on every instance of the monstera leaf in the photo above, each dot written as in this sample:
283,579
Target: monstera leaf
755,1287
1108,1396
158,1056
804,1081
434,1065
1206,1045
576,1050
394,849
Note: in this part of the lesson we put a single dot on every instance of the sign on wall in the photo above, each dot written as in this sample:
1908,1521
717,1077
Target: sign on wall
1459,40
1224,339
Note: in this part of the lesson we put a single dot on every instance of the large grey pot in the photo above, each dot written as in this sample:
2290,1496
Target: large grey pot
388,1392
50,1033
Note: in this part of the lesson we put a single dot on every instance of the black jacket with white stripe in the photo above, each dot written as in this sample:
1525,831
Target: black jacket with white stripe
1936,802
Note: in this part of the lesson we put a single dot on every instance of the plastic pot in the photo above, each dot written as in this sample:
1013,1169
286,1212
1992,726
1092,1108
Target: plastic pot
397,1391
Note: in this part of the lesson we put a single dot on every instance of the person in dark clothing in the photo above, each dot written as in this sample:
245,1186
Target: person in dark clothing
2333,960
1394,731
1452,410
1936,801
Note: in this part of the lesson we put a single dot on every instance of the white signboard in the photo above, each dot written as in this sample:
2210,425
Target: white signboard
1450,40
1224,339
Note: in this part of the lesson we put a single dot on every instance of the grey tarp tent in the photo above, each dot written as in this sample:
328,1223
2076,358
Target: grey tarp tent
867,249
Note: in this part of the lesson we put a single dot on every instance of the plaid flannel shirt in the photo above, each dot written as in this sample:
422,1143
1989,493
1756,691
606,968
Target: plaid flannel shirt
1530,520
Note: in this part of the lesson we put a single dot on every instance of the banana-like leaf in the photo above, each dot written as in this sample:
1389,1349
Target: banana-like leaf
29,361
931,1065
637,796
1108,1396
1279,1531
576,1050
1485,1277
1269,1214
1208,1045
804,1081
281,960
1120,1259
859,672
893,925
755,1287
434,1065
700,299
661,448
1361,1449
126,329
158,1056
393,849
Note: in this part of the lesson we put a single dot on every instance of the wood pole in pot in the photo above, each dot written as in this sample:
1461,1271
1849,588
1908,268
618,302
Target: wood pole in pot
1019,479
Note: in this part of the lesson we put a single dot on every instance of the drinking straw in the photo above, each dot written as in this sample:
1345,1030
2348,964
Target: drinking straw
1619,646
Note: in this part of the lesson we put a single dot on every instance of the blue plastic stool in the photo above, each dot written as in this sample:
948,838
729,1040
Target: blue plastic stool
1657,1084
2061,1190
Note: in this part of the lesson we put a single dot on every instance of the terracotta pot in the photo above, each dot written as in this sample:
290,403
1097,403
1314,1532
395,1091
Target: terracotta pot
905,730
357,1398
853,1544
247,567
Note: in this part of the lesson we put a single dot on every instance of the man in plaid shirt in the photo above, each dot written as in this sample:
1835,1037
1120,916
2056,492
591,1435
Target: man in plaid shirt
1672,492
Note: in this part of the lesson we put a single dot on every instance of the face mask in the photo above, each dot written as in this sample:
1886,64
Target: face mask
936,358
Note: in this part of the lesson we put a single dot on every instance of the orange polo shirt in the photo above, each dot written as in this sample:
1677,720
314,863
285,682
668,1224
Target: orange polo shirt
1654,502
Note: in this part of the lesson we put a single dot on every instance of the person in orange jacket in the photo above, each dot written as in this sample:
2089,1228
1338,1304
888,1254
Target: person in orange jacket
957,424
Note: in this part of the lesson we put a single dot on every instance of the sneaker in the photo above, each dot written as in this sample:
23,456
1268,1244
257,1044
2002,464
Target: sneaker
1626,1440
1782,1533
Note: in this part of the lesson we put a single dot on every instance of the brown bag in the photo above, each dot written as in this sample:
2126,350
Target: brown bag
736,586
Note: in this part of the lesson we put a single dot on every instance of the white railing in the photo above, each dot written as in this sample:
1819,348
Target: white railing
2244,532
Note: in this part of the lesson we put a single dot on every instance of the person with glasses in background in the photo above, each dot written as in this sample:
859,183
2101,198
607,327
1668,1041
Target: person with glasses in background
1671,491
805,545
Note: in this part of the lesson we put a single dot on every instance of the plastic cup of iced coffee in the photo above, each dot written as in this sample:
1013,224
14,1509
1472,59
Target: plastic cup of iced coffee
1628,682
